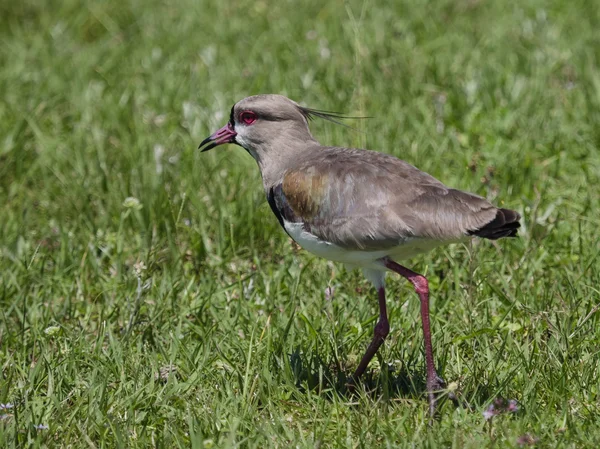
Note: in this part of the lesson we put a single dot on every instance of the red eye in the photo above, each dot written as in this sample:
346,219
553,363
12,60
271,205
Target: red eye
248,117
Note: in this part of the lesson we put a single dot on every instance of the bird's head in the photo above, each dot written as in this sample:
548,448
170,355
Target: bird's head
264,122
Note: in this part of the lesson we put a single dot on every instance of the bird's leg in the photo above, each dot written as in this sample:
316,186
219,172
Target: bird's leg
382,329
434,382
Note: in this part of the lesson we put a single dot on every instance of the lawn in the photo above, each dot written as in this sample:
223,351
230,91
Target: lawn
148,297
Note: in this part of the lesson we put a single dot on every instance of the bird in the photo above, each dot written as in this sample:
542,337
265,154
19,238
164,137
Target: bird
363,208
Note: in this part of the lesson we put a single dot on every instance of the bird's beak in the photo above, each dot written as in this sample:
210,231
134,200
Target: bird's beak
224,135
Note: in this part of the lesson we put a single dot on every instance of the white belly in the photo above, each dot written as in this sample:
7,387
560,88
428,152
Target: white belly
357,258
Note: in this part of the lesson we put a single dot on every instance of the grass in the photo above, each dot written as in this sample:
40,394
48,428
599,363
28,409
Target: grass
184,317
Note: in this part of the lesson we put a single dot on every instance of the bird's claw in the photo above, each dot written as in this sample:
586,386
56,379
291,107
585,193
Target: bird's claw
435,386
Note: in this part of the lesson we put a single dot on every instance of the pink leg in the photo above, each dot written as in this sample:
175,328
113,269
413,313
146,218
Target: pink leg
382,329
434,382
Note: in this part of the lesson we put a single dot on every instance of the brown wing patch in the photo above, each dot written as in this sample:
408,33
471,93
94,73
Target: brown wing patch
305,192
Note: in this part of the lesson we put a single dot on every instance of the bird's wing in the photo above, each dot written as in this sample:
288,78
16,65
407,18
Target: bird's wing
365,200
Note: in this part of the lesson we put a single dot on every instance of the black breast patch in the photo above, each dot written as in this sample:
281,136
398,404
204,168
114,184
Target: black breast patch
280,206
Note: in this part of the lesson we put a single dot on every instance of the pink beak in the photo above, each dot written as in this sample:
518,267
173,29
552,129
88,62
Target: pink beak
224,135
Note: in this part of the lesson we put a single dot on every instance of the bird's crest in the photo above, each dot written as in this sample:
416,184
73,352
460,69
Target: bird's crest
333,117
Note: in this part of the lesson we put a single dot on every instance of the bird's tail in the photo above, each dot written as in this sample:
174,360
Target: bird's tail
505,224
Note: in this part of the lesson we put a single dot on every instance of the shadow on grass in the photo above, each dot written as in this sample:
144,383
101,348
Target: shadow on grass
312,372
407,382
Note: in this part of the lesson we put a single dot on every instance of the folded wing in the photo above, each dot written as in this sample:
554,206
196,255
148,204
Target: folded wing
365,200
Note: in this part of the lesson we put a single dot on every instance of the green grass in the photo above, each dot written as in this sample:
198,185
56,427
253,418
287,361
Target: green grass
108,100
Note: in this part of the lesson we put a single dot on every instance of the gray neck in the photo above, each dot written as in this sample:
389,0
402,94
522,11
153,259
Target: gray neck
275,157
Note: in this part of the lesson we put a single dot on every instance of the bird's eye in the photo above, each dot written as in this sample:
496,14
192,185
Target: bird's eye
248,117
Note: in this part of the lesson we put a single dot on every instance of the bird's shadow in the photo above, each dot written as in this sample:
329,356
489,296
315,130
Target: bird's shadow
311,372
389,382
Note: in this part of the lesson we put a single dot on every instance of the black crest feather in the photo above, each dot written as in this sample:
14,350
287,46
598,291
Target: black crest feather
333,117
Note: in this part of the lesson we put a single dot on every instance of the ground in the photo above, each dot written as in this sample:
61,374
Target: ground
148,297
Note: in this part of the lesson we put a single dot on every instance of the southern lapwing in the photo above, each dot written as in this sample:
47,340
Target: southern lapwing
362,208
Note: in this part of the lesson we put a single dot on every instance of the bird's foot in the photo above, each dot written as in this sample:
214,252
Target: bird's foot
435,386
350,384
357,382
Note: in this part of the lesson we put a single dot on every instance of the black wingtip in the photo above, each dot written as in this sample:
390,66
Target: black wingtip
505,224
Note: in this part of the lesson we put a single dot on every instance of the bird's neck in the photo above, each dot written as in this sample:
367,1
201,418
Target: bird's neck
278,156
